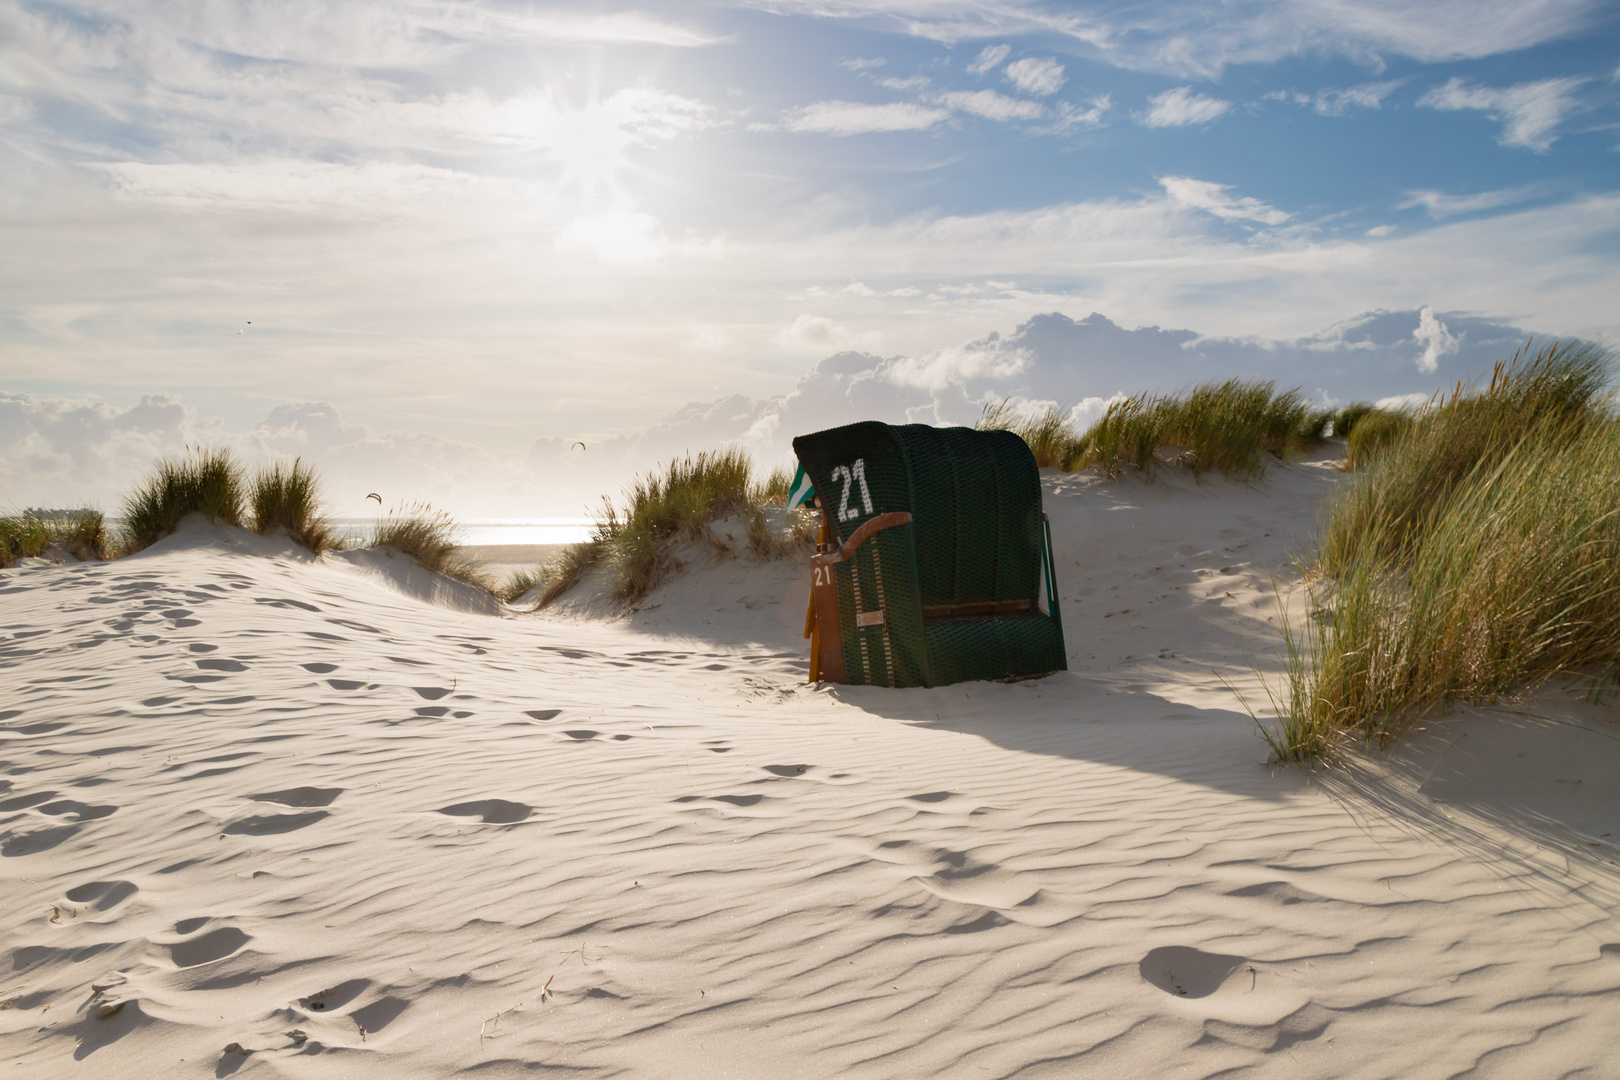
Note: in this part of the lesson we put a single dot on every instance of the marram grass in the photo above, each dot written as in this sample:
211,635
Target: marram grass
288,497
1477,557
428,536
81,534
637,542
1232,427
206,482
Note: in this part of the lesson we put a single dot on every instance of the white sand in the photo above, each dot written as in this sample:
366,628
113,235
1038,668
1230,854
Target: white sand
245,793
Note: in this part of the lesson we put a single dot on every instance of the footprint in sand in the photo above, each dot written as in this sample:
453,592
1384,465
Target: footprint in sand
379,1014
320,669
102,895
273,824
74,810
490,811
335,997
787,770
206,948
582,734
345,684
198,646
930,796
543,714
1187,972
221,665
301,796
32,843
431,693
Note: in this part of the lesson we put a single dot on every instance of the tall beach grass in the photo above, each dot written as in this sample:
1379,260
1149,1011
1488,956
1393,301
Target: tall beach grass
637,541
208,482
288,497
1232,427
81,534
428,536
1477,556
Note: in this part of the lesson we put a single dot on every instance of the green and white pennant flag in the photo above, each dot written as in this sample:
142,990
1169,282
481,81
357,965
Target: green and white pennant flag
801,491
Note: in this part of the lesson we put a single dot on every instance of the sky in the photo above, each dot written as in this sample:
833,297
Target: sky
502,256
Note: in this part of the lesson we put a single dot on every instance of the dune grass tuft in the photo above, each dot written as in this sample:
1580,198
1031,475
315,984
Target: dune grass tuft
1346,419
1230,427
1478,555
205,482
1048,433
429,536
45,533
288,497
678,503
1371,433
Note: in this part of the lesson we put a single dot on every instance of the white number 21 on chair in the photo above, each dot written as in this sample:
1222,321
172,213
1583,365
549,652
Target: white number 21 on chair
852,474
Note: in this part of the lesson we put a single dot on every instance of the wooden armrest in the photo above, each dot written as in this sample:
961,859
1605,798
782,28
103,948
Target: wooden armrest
863,534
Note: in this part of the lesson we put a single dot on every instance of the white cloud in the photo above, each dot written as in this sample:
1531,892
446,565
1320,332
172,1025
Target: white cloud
1073,115
1366,96
1202,37
1441,205
1437,341
1381,230
988,59
991,105
1530,112
862,63
856,118
911,82
1032,76
818,334
1181,106
1213,198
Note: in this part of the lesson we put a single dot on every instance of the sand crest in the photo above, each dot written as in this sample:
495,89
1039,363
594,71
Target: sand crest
268,814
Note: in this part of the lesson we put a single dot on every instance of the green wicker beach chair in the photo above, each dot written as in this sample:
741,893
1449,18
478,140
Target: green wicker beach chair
935,549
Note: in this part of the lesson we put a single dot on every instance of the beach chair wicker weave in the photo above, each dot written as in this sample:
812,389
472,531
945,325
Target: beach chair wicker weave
939,547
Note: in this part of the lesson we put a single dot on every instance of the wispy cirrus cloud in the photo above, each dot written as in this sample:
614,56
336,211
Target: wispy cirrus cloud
860,118
1033,76
1182,106
991,105
1215,199
1530,112
1203,37
1336,102
989,58
1441,205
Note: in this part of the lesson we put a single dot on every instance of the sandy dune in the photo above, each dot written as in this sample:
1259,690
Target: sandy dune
268,815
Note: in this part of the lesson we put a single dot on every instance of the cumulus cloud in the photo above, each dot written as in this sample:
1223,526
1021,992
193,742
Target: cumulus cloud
1437,341
989,58
1214,199
1032,76
1181,106
1530,113
60,451
856,118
